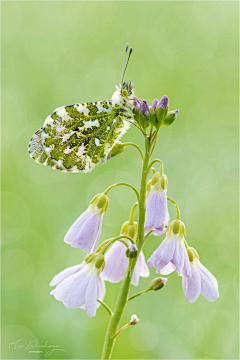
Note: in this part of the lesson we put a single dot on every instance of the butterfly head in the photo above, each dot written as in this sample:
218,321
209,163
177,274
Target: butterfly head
124,93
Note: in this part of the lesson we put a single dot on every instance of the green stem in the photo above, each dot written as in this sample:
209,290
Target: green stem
161,165
103,247
122,183
140,293
106,307
124,290
176,206
136,146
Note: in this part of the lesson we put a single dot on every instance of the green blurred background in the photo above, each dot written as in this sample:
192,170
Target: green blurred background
60,53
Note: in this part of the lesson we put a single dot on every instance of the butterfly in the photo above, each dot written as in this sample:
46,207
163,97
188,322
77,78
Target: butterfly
77,137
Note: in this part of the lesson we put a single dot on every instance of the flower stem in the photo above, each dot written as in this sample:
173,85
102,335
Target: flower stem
136,146
106,307
122,183
161,165
176,206
124,290
140,293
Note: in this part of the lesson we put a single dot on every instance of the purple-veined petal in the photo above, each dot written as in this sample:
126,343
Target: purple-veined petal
209,284
168,269
156,210
72,290
186,271
192,286
65,274
84,233
178,256
162,255
91,296
115,263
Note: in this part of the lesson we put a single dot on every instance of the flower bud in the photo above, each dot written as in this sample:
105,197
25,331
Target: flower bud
134,320
136,102
118,148
158,283
132,251
163,102
170,117
154,104
161,110
144,108
129,229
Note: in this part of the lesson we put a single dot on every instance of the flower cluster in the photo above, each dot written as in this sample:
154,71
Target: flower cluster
156,115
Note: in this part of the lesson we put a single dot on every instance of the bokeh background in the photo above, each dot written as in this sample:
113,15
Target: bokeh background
60,53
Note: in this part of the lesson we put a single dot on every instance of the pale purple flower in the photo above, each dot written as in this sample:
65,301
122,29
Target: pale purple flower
79,287
163,102
157,216
172,254
144,108
201,282
154,104
86,230
116,263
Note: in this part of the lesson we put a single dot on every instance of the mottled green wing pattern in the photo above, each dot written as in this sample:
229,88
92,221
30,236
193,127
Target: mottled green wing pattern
77,137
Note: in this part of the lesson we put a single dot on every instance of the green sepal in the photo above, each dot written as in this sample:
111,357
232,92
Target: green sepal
118,148
161,114
152,117
156,284
144,121
170,118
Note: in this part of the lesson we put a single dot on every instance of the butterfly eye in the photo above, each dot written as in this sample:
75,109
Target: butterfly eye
124,93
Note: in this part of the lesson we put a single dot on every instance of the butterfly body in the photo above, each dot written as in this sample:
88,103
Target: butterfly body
77,137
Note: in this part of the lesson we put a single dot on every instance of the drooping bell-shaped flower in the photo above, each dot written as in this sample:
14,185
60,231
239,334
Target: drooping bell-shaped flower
116,261
80,286
157,216
86,230
201,281
172,253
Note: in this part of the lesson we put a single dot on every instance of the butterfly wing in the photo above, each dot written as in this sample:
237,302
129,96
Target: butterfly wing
77,137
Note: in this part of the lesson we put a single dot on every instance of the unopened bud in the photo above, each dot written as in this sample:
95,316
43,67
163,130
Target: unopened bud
154,104
158,283
118,148
170,117
134,320
144,108
132,251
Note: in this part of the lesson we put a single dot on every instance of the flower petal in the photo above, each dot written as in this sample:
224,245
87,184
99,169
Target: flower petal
178,256
91,296
192,287
209,284
156,209
162,255
72,290
84,233
65,274
115,263
168,269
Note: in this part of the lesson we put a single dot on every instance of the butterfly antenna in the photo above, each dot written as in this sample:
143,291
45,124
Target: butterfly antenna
124,65
130,51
